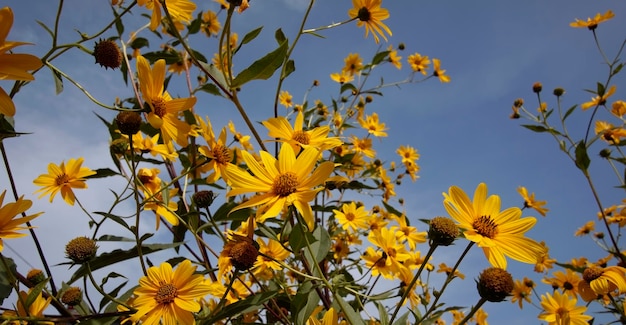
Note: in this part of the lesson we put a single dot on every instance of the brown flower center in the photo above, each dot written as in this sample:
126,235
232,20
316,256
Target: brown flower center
285,184
350,216
221,154
166,293
364,14
591,273
159,107
485,226
62,179
301,137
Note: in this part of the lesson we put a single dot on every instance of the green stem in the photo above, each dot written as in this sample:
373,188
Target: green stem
473,311
101,291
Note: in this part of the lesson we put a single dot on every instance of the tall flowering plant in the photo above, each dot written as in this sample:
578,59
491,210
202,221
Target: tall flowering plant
291,217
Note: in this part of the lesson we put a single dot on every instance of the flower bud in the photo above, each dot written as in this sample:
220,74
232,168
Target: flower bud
72,296
243,252
537,86
495,284
203,199
35,276
558,91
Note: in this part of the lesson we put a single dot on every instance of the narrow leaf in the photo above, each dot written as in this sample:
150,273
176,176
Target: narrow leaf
251,35
582,159
262,68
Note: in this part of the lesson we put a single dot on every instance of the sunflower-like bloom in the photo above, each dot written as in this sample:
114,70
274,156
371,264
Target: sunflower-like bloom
180,10
560,309
9,225
342,77
394,251
216,150
440,73
269,256
372,124
281,183
598,281
419,63
13,66
566,281
592,23
63,178
35,309
353,63
168,295
610,133
370,14
530,202
599,100
164,110
498,233
297,137
351,217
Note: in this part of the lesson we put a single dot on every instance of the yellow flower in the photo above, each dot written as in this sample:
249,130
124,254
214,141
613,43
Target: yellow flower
363,146
353,64
151,145
13,66
281,183
373,125
210,23
35,309
586,229
567,282
609,133
498,233
395,253
244,140
297,137
521,291
599,281
376,261
444,268
618,108
351,217
440,73
408,154
9,225
169,296
63,178
530,202
599,100
592,23
216,150
561,309
370,14
404,232
342,77
269,255
180,10
418,62
394,58
285,99
164,110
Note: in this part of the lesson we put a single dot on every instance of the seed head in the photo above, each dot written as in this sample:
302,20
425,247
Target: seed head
558,91
537,86
35,276
72,296
107,54
243,252
81,249
203,199
442,231
495,284
128,122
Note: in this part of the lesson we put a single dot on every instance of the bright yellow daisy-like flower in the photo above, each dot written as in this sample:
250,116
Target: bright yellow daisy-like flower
419,63
370,14
373,125
394,58
280,183
599,281
599,100
210,24
63,178
164,110
35,309
13,66
180,10
530,202
285,99
216,150
609,132
395,252
561,309
498,233
408,154
405,232
440,73
592,23
342,77
297,137
270,254
353,64
9,225
566,281
169,296
352,217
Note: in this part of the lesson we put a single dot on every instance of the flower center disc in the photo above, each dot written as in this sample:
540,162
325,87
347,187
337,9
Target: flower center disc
62,179
364,14
166,294
285,184
221,154
591,273
485,226
301,137
159,106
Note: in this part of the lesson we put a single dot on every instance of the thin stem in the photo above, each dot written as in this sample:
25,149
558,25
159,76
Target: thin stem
473,311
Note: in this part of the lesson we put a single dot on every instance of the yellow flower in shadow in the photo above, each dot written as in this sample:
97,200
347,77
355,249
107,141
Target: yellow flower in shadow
9,225
180,10
592,23
13,66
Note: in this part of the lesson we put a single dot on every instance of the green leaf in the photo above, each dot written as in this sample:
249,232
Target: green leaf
348,86
251,303
6,287
536,128
569,111
305,301
215,74
103,172
115,238
195,25
139,42
320,246
34,293
58,81
46,28
299,236
289,68
118,255
382,312
209,88
115,218
582,159
251,35
618,69
379,57
351,315
600,89
280,36
262,68
404,319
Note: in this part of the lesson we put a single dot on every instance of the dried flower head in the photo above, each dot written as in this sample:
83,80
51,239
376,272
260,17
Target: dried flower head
128,122
107,54
81,249
443,231
203,199
495,284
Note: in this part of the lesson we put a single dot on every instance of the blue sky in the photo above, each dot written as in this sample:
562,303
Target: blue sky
493,51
